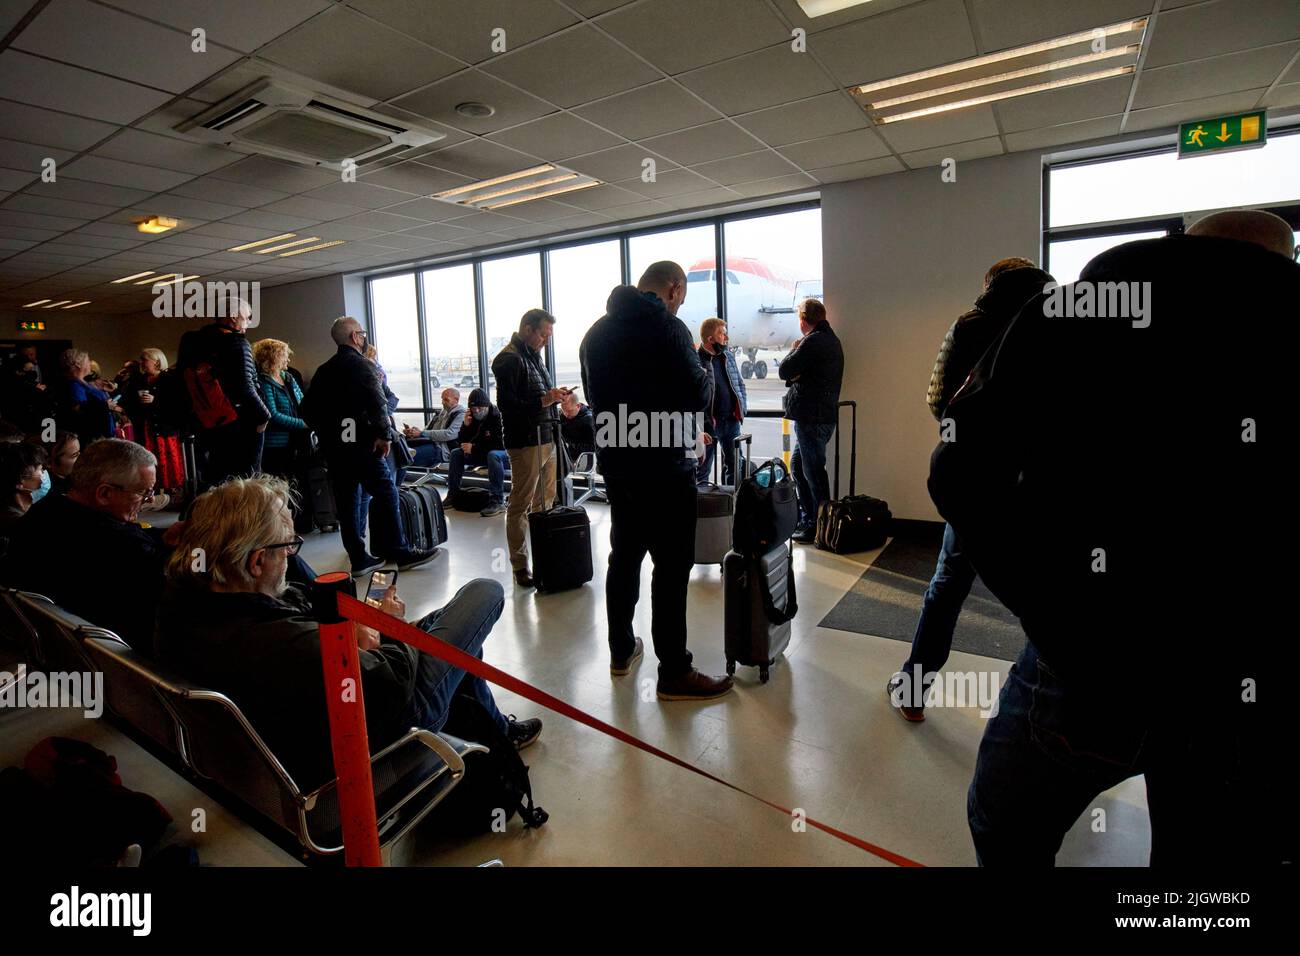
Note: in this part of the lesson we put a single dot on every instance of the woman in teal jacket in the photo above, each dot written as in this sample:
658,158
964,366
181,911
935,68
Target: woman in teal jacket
287,438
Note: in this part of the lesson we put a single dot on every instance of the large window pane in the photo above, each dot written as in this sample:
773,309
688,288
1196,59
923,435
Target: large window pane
1162,184
582,278
1067,257
693,249
397,335
511,286
451,332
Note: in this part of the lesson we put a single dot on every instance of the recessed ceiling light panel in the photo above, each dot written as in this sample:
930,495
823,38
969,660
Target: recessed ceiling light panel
535,182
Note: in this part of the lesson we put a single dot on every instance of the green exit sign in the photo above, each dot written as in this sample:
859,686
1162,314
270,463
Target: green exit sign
31,326
1222,133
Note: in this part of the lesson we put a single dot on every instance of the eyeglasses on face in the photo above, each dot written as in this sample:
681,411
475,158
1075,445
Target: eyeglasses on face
145,496
290,547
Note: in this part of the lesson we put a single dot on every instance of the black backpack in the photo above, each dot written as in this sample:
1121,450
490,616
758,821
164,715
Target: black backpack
496,780
766,510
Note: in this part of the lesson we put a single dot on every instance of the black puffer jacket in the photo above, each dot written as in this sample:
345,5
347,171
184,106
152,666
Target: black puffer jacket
522,379
636,334
812,374
485,433
231,358
347,387
971,335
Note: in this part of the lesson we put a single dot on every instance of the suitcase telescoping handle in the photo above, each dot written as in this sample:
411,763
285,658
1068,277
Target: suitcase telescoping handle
853,451
742,463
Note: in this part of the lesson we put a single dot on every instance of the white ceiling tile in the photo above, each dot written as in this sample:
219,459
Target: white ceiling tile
837,149
670,183
1223,26
31,124
703,143
40,82
622,162
591,8
1287,94
1065,134
757,80
82,191
911,38
465,29
11,179
375,60
151,149
108,41
743,169
242,24
960,126
871,167
600,197
27,156
1162,116
380,221
479,159
312,208
53,206
415,179
794,13
573,67
976,149
224,191
1008,23
274,174
715,33
1223,74
556,137
1054,107
439,102
186,207
31,220
648,111
360,194
267,220
117,173
805,119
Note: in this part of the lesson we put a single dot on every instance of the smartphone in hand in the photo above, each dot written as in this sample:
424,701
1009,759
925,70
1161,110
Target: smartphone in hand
380,582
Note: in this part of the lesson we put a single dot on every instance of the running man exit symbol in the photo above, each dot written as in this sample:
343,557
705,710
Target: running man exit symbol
1222,133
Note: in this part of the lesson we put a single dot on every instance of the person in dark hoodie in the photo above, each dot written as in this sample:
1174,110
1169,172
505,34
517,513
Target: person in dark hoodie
235,447
1112,483
345,406
650,484
1008,285
480,443
812,372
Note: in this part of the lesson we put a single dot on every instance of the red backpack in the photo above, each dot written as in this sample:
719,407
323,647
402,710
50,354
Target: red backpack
207,398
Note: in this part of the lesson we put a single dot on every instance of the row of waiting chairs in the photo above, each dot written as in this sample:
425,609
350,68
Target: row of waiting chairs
204,732
584,468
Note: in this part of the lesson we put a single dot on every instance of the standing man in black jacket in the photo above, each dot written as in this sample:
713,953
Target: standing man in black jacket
527,401
812,373
639,366
1008,285
346,407
235,448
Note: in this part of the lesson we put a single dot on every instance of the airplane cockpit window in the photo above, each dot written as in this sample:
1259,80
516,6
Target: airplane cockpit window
700,275
731,277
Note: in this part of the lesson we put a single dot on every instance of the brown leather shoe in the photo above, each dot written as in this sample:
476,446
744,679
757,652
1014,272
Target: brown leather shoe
622,667
895,690
523,578
693,686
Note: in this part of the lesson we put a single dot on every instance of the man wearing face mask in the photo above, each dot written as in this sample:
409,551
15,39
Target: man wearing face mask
650,486
480,443
433,443
345,405
110,481
23,399
25,480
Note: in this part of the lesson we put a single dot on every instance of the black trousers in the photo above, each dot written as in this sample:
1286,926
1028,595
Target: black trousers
654,515
231,451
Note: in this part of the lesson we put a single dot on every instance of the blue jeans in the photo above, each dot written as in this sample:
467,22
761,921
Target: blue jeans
808,463
350,474
724,435
464,623
496,462
953,576
426,456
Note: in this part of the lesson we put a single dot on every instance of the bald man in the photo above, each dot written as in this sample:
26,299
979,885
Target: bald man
639,361
1249,225
1113,485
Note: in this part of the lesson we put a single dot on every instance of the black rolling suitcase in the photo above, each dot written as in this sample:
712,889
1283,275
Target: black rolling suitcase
715,508
560,538
420,508
190,462
758,605
318,494
857,522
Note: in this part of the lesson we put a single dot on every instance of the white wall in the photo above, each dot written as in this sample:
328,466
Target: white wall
903,256
300,313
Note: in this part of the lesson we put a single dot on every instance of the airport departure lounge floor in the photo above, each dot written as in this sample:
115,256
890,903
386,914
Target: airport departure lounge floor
819,736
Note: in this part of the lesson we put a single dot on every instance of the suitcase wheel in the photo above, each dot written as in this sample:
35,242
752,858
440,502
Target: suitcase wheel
731,668
762,675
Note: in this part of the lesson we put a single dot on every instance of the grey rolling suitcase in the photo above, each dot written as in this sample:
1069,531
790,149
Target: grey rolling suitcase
715,507
758,605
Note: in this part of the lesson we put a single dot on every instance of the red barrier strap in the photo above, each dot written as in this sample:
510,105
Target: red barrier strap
362,613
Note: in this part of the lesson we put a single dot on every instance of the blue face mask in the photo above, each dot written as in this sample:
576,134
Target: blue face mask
44,489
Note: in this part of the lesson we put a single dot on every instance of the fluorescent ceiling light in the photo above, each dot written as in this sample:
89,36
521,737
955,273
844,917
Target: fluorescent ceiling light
323,245
474,187
186,278
76,305
157,224
1043,47
288,245
549,192
36,303
129,278
261,242
55,305
1004,77
524,187
819,8
165,277
1021,91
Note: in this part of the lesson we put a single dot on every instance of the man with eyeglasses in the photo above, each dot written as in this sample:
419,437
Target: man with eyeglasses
111,480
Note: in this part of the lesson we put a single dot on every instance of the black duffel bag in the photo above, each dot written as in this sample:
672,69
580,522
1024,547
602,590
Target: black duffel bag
471,498
767,509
